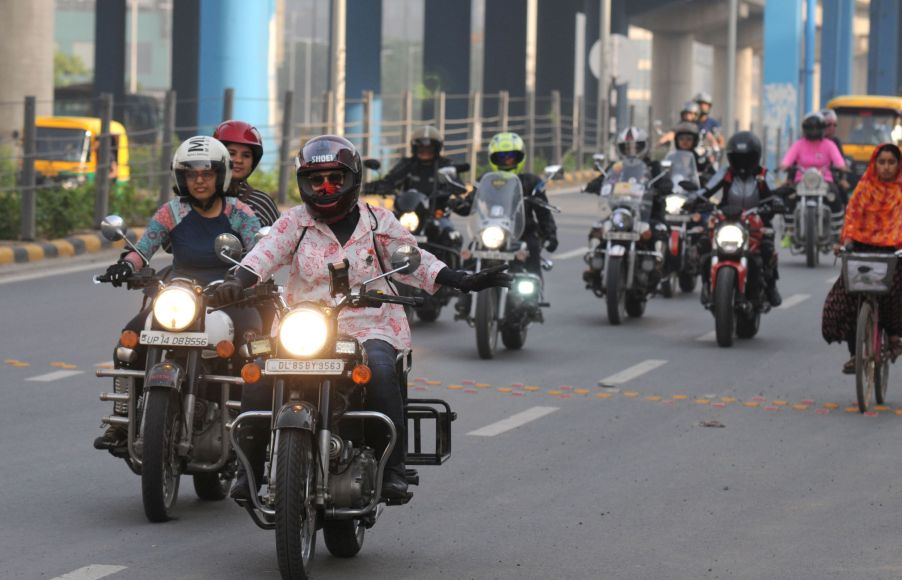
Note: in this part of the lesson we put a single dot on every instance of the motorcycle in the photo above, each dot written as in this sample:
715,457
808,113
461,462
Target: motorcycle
813,228
497,222
177,418
323,467
683,262
625,263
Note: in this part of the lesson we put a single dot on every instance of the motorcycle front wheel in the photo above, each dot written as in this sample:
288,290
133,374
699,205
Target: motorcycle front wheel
687,282
487,323
866,368
161,466
615,290
514,338
344,538
724,315
812,256
429,313
295,511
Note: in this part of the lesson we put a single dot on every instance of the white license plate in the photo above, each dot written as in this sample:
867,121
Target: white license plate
421,239
678,219
281,366
621,236
493,255
617,251
163,338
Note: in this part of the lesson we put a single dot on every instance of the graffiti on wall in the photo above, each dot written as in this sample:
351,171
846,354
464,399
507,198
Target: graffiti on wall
781,105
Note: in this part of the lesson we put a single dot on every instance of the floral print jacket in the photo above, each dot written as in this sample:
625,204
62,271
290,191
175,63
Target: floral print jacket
308,247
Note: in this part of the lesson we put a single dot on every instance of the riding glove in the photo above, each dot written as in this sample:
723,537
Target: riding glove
551,243
466,282
119,272
232,286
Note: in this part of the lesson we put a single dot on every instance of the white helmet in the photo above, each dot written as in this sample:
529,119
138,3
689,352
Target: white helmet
200,153
632,142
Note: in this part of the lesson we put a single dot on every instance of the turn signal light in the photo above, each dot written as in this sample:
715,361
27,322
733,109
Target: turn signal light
225,349
361,375
251,373
646,235
128,339
439,214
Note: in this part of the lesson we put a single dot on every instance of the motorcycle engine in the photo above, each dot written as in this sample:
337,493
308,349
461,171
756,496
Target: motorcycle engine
352,481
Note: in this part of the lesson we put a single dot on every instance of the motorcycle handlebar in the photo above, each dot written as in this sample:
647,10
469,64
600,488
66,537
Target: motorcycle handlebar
381,298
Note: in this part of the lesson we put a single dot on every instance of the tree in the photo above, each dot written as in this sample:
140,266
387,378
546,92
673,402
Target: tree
68,69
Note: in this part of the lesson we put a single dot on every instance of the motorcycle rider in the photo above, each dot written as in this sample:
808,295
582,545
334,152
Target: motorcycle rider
190,223
707,124
830,122
417,171
687,139
333,224
813,150
744,167
245,147
688,114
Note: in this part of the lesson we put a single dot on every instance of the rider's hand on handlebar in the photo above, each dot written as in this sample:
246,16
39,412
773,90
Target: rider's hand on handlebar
229,291
119,272
551,243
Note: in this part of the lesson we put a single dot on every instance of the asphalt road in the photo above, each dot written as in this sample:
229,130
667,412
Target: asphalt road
701,462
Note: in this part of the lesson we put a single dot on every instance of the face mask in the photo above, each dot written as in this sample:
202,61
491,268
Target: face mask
330,188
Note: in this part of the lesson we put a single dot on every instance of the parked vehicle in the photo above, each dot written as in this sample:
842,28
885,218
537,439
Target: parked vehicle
863,122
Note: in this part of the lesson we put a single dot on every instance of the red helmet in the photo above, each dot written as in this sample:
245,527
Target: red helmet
244,134
322,154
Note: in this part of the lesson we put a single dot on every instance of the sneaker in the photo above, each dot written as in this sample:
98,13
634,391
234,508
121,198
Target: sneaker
786,242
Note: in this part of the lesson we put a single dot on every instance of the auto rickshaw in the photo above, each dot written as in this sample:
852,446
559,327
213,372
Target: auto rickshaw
863,122
68,147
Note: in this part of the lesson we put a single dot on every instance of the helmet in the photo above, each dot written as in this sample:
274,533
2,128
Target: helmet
322,154
686,128
813,126
744,153
689,107
632,142
243,133
702,97
426,136
197,153
510,144
829,116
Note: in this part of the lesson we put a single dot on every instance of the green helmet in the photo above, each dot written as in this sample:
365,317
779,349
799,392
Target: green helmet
507,145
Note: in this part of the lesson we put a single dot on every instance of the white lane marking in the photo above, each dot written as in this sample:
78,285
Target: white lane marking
99,267
54,376
793,300
92,572
513,421
707,336
570,254
831,280
633,372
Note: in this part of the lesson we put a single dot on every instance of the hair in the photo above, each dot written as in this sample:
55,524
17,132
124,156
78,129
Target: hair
892,149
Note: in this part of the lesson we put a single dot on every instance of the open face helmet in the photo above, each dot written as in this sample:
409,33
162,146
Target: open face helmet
244,134
427,136
201,153
686,128
813,126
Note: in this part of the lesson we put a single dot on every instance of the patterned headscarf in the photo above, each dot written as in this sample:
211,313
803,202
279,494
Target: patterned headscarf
874,213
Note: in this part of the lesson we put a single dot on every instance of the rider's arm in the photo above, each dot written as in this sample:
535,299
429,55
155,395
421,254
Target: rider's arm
395,177
390,235
715,183
155,234
547,227
791,157
278,248
836,158
243,220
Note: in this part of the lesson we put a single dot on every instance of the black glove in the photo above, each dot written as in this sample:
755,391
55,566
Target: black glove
232,286
119,272
551,243
466,282
663,186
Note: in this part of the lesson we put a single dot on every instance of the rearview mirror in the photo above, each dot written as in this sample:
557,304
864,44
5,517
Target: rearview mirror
373,164
598,161
228,248
553,172
405,259
113,228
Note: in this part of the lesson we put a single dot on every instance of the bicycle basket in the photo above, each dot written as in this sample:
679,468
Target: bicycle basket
870,273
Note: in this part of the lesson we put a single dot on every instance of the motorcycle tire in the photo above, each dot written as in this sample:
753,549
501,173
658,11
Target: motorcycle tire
687,282
615,291
295,511
865,356
487,323
812,256
635,305
882,381
668,285
344,538
429,313
212,486
747,326
724,314
161,465
514,338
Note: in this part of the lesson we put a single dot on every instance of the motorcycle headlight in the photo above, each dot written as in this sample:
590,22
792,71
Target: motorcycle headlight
492,237
811,180
526,287
175,308
304,332
410,220
729,238
674,203
622,221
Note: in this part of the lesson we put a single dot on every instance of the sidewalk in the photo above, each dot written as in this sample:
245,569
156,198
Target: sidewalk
24,252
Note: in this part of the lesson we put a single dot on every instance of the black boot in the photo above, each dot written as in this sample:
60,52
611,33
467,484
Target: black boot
462,307
394,482
773,295
241,487
115,436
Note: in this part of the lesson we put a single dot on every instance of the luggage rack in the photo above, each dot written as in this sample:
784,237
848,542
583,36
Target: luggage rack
419,410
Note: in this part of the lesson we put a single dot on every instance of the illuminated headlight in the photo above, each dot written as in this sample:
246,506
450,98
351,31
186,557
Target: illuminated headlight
526,287
674,203
410,221
729,238
304,332
492,237
175,308
622,221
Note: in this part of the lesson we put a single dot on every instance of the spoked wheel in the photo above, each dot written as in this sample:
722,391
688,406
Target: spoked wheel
882,370
295,510
866,335
724,315
487,323
344,538
615,291
812,256
161,466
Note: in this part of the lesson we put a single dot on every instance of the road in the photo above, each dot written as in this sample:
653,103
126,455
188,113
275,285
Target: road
696,462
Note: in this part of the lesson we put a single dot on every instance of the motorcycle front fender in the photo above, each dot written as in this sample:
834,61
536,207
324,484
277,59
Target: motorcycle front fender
164,375
296,415
741,273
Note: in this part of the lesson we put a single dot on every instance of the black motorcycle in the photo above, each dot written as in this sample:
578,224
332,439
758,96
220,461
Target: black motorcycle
682,264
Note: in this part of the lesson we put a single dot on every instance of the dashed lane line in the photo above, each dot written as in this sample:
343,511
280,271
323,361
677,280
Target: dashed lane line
708,336
54,376
513,422
92,572
632,372
793,300
570,254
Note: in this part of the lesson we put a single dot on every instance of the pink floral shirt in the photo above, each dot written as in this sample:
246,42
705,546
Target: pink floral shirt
308,278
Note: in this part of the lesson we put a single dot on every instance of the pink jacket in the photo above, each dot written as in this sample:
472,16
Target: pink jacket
308,278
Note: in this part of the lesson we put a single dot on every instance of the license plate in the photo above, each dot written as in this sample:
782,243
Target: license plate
678,219
617,251
162,338
279,366
621,236
421,239
493,255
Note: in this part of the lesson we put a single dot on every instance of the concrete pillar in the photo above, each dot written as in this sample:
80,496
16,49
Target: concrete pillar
28,55
671,75
185,64
836,48
884,75
364,71
447,24
718,85
782,65
109,51
745,90
556,36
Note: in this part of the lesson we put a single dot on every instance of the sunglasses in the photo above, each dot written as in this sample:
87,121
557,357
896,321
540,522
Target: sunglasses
506,155
205,175
317,179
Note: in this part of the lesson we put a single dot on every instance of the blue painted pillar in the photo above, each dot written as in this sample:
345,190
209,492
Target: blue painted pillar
883,48
810,37
239,61
836,49
782,66
363,66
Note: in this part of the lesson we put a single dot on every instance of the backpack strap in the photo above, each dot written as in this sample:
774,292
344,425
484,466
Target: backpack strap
374,225
300,239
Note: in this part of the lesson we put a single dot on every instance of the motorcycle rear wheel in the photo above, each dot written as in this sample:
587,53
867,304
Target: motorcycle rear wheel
812,256
615,291
687,282
344,538
669,284
487,323
429,313
748,326
514,338
635,305
724,315
865,360
161,465
210,486
295,512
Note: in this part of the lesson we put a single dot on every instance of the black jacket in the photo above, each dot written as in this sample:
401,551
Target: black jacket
409,173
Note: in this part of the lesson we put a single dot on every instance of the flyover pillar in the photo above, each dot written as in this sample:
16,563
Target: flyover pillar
884,75
364,70
744,91
27,28
836,48
447,46
671,77
782,66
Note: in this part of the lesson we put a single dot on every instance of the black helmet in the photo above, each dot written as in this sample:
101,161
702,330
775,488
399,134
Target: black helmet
744,153
813,126
324,153
425,137
689,108
686,128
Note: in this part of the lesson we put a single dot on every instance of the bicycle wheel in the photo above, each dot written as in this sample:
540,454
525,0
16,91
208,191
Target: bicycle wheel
865,361
882,368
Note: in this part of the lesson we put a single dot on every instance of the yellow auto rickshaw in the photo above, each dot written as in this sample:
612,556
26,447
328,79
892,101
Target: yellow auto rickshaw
67,150
863,122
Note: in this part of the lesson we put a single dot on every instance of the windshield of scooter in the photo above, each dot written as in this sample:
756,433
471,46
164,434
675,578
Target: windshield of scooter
498,200
682,167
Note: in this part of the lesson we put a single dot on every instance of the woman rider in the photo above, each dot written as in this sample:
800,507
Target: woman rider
246,149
